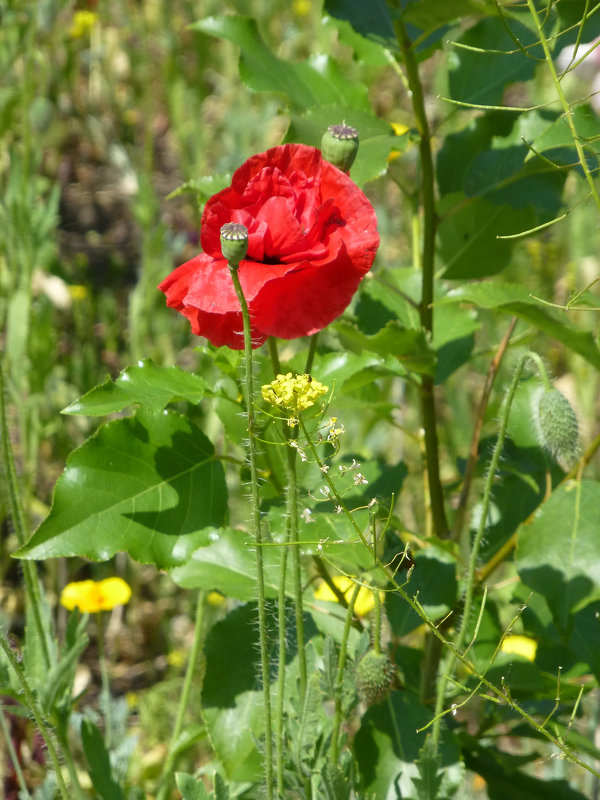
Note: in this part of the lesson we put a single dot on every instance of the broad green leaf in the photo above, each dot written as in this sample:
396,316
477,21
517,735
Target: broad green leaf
507,176
190,788
516,300
148,485
99,763
234,733
376,137
145,384
314,82
467,236
431,14
387,746
408,346
557,552
504,779
481,77
371,20
228,564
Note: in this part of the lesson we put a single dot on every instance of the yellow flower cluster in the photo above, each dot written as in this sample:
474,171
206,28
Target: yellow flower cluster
93,596
294,393
82,24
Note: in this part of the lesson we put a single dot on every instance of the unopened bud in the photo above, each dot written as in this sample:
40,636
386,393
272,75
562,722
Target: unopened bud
339,146
558,427
234,242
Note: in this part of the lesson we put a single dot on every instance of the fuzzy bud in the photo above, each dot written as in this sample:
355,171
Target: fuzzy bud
339,146
234,242
375,676
557,423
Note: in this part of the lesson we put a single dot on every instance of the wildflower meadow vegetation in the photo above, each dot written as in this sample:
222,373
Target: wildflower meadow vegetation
299,400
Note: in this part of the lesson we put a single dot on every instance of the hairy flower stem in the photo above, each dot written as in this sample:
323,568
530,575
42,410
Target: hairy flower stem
471,578
292,510
281,670
428,412
37,715
256,530
190,672
339,678
17,515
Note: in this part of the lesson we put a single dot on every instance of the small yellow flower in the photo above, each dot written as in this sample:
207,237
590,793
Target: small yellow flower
93,596
294,393
78,292
364,602
520,646
82,24
399,129
215,599
301,8
176,658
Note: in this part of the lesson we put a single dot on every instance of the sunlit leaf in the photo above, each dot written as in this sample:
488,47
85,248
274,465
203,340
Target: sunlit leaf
148,485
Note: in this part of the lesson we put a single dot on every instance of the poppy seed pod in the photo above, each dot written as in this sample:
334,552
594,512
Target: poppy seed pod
234,242
557,423
339,146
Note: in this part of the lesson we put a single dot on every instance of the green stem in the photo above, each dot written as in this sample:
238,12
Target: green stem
35,712
281,619
24,791
256,530
17,515
563,101
292,510
312,349
106,698
339,680
190,672
428,411
471,580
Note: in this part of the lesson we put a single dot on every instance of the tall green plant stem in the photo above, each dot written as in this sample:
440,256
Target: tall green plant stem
35,712
292,510
471,579
428,412
256,530
32,581
564,103
339,678
167,773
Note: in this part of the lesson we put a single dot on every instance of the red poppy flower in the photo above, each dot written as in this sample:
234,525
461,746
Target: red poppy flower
312,236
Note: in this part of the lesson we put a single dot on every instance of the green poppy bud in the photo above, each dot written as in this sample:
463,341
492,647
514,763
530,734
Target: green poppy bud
234,242
375,676
557,424
339,146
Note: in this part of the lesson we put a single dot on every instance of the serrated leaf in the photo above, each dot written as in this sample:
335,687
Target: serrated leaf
430,778
148,485
99,762
142,384
314,82
557,552
516,300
